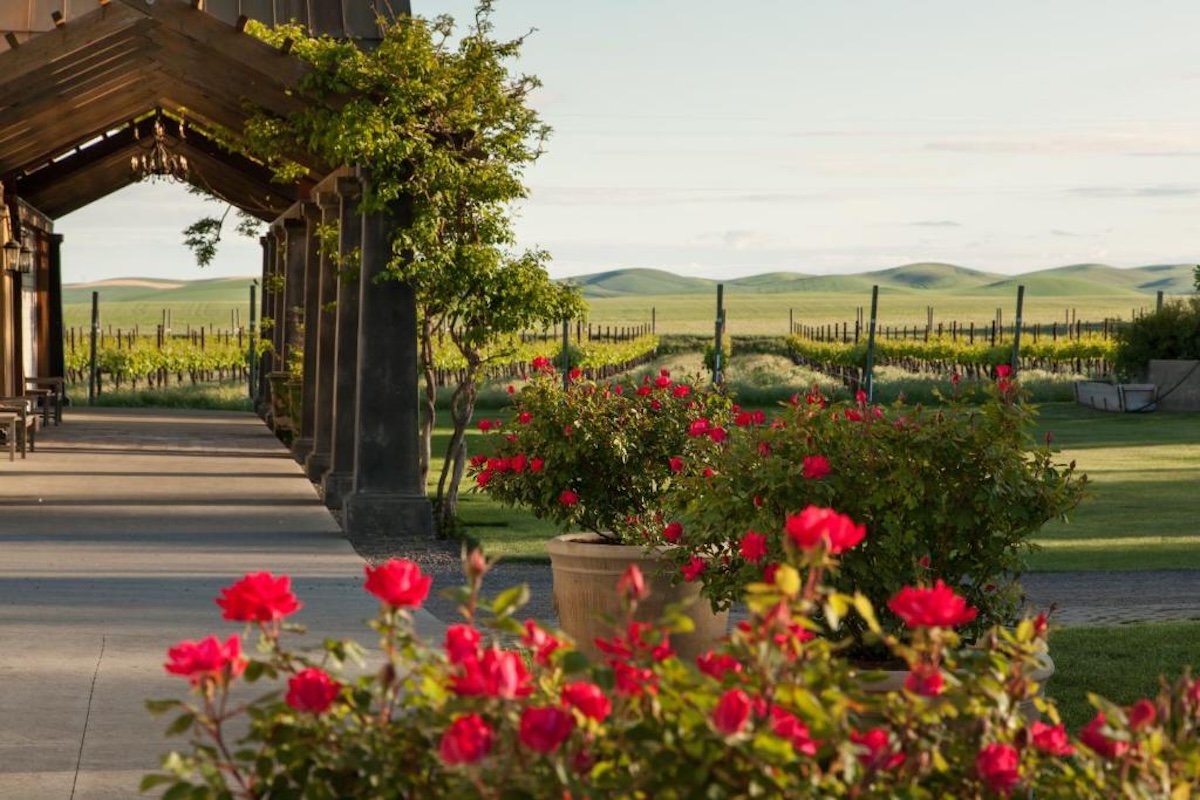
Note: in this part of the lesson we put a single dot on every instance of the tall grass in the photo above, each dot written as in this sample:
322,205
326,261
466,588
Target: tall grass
228,396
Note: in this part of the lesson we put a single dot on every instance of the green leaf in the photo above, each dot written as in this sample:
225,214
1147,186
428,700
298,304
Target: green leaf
510,600
157,707
182,723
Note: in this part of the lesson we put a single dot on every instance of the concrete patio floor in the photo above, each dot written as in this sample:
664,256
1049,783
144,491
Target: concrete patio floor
115,536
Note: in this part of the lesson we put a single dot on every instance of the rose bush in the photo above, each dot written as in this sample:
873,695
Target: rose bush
773,712
596,456
952,493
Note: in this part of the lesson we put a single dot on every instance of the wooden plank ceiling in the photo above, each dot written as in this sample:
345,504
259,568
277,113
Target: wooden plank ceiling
76,103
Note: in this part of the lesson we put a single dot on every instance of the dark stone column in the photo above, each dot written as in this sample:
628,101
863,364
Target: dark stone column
58,363
303,445
389,503
339,481
326,330
294,262
279,297
262,396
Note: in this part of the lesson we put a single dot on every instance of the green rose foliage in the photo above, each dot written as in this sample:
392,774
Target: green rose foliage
595,456
773,712
951,493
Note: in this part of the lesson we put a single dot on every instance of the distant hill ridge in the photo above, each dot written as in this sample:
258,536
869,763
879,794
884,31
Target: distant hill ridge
1071,280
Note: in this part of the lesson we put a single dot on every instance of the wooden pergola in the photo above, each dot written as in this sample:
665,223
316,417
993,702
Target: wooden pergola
82,85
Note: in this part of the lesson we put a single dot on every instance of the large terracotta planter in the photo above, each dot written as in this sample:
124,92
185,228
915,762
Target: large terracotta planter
586,572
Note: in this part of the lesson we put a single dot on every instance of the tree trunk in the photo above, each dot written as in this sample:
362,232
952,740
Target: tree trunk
428,417
462,408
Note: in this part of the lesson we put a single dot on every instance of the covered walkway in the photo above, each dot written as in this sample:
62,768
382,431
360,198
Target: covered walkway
114,538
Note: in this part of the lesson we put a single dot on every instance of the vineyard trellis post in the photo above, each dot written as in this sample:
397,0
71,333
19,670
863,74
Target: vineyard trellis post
719,329
1016,351
868,377
566,354
251,355
92,382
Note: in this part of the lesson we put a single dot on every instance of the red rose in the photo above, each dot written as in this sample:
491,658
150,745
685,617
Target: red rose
732,712
312,690
1051,740
925,680
485,425
698,428
462,642
633,681
587,698
753,547
1003,370
717,666
542,643
998,766
207,659
258,597
815,467
398,582
499,673
681,390
525,418
1141,715
544,729
693,569
536,465
568,498
673,532
937,607
676,464
466,741
785,725
815,526
877,744
1093,736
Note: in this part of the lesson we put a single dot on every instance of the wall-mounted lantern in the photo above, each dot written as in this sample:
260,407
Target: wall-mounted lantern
12,256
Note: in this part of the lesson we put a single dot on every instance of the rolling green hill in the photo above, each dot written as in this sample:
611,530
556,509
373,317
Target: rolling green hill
232,291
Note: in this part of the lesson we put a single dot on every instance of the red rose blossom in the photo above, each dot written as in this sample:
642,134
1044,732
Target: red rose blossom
462,642
398,582
753,546
925,680
732,712
568,498
632,584
936,607
673,532
879,754
693,569
786,725
207,659
312,690
718,665
588,699
258,597
816,526
466,741
676,464
815,467
544,729
1051,739
1093,736
1142,715
998,766
498,673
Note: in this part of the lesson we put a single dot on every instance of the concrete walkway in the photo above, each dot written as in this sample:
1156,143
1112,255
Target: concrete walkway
115,536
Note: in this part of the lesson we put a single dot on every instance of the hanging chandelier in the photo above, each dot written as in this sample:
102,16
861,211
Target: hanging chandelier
160,161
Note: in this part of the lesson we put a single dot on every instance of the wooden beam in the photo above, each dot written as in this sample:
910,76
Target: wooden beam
13,41
49,48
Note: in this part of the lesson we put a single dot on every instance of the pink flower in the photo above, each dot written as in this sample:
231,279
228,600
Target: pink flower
815,526
312,690
462,642
399,583
207,659
632,584
1051,740
673,532
693,569
544,729
753,547
815,467
732,712
466,741
568,498
258,597
998,766
936,607
1093,736
676,463
588,699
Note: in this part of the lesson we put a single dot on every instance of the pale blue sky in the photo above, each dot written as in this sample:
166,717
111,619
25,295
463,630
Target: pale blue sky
729,139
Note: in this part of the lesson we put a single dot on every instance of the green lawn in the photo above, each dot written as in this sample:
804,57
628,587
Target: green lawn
1142,508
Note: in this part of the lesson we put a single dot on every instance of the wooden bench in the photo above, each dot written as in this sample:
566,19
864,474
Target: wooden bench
49,391
8,425
24,426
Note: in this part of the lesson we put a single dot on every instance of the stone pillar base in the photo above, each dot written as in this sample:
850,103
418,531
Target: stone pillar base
301,448
335,488
377,523
316,465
